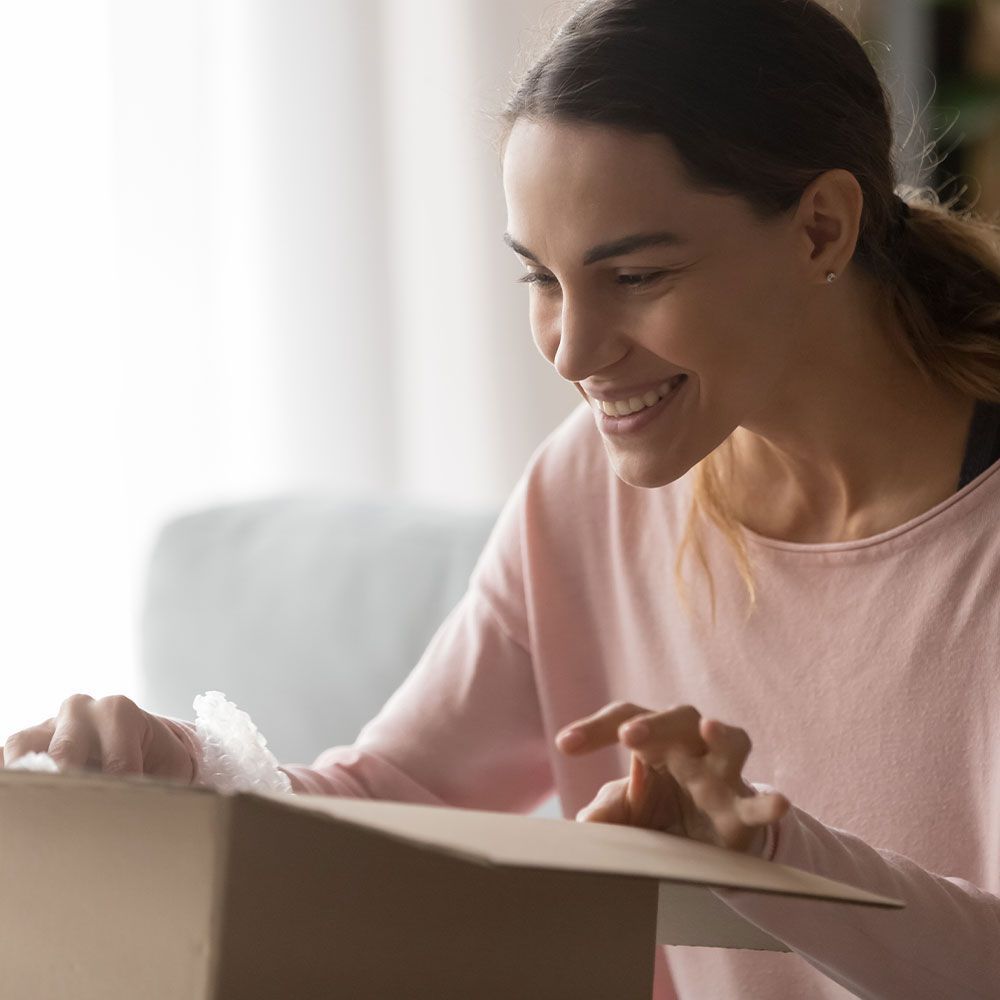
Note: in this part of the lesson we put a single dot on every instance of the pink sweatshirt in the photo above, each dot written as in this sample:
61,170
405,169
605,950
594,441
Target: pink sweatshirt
867,679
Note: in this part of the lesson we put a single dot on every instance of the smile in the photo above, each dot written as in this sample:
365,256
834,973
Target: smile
629,423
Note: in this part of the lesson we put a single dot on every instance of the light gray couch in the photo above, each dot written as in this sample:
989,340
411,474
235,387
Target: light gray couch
306,611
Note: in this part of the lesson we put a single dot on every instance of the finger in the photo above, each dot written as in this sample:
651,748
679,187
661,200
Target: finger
640,798
34,739
169,749
720,791
119,734
717,800
734,813
762,808
599,729
729,747
74,741
669,739
609,813
607,806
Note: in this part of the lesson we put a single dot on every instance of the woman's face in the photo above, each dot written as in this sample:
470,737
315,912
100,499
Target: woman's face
721,304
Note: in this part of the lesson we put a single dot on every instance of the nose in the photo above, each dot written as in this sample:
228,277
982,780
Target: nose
581,343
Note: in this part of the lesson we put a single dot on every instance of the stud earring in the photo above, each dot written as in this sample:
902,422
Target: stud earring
831,277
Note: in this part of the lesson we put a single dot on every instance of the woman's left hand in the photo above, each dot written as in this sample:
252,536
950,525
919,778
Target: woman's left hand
686,776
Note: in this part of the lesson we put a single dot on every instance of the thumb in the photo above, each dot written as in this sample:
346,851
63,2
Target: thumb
636,791
171,749
608,806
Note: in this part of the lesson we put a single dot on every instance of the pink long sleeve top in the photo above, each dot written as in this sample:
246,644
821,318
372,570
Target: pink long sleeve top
868,681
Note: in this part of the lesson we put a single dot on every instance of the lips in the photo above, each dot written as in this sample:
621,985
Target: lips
633,423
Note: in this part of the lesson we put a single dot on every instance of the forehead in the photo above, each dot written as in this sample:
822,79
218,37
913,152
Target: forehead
590,175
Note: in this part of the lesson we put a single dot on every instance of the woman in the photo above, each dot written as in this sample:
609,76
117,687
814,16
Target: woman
702,196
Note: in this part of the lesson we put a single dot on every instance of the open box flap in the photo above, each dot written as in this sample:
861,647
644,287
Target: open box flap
536,842
514,840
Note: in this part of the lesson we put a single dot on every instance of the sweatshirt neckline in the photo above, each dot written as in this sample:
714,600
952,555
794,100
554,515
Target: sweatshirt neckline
949,508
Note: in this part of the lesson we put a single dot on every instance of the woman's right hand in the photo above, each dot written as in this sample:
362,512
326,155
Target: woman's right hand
112,735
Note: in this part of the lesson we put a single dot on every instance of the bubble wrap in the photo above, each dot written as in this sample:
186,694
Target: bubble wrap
32,761
235,757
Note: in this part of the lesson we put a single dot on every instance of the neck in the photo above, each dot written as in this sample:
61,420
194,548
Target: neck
851,448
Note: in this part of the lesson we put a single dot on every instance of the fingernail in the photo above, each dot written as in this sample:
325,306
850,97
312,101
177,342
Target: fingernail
570,739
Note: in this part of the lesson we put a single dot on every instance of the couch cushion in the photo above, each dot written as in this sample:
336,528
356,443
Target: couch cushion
308,612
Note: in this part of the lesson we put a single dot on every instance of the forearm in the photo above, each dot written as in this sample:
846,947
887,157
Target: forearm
944,943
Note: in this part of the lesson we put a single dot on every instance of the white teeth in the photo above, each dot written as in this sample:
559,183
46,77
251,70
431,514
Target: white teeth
623,407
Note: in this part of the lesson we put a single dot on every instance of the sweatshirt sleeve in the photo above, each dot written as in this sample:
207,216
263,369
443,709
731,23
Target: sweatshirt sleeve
464,728
944,943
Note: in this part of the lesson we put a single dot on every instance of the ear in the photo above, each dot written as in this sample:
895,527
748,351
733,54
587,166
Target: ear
828,221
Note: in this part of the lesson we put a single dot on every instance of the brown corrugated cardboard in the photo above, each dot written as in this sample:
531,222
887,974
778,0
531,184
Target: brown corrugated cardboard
118,888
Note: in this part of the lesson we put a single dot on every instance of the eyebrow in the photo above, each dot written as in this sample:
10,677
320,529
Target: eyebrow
616,248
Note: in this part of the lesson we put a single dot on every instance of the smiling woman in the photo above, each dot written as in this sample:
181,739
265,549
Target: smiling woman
805,372
787,375
769,333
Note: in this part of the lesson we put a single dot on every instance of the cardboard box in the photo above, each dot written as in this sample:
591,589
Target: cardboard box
138,889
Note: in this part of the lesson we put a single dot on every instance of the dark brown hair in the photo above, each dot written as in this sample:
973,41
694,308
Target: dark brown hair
760,97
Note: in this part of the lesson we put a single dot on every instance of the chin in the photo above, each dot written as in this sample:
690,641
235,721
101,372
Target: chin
645,474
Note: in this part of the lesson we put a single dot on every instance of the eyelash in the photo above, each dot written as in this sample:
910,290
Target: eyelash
535,278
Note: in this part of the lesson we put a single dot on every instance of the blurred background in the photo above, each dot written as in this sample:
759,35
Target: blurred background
252,249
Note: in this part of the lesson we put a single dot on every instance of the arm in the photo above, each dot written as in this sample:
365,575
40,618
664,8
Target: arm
945,943
464,728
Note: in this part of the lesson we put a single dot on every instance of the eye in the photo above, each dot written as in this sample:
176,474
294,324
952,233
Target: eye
535,278
624,280
638,280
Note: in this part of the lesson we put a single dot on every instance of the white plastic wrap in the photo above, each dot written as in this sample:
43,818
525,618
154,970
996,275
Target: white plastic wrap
235,757
32,762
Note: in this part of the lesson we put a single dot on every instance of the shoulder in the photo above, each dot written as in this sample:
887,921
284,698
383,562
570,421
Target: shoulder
569,514
537,525
570,480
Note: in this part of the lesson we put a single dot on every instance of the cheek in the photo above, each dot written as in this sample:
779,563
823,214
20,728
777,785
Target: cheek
720,333
690,330
767,311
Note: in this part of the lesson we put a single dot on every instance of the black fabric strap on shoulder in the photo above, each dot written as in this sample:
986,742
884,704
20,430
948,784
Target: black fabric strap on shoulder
982,447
